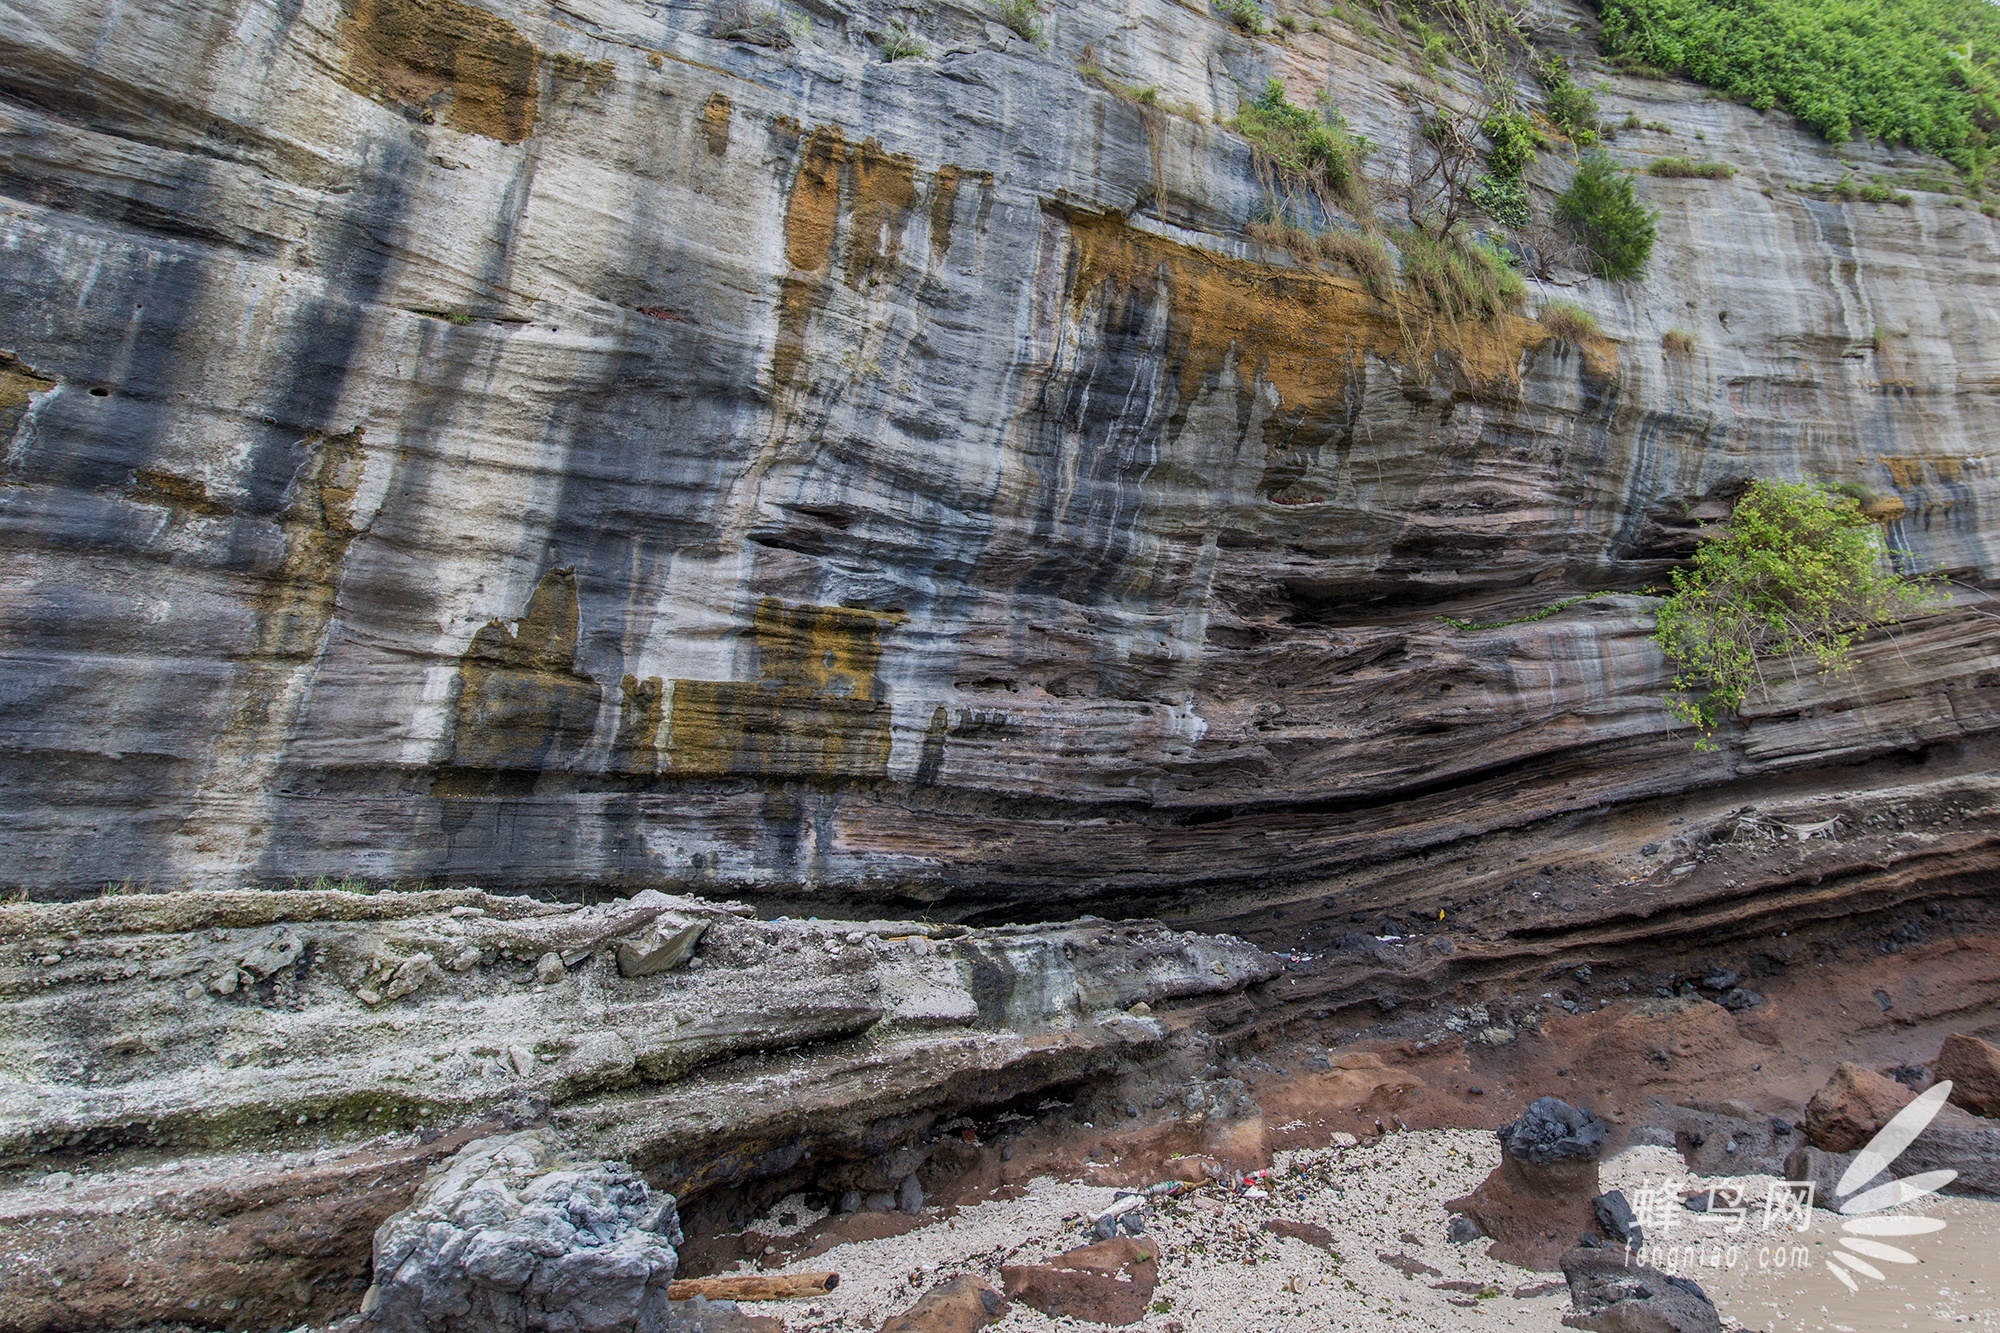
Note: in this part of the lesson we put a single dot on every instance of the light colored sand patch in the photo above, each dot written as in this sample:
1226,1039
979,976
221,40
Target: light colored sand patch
1220,1271
1769,1276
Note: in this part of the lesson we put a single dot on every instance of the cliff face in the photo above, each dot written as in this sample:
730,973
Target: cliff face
541,446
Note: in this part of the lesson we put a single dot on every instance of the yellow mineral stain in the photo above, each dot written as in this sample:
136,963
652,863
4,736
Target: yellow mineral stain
811,217
1904,471
17,385
469,68
318,527
293,609
715,123
884,191
815,711
594,75
814,210
156,486
944,201
1907,470
875,191
521,703
1883,508
641,714
1299,330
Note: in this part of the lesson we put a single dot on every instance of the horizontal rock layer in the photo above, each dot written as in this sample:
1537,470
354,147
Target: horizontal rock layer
249,1082
484,443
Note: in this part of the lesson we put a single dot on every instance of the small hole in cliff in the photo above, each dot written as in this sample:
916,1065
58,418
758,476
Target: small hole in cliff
100,392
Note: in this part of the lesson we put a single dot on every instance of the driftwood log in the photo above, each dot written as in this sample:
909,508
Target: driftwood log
754,1287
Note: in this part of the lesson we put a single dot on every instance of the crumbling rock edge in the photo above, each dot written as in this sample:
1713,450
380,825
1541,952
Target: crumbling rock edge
258,1079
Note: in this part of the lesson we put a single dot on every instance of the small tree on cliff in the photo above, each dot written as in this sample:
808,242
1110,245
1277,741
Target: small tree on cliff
1799,573
1601,210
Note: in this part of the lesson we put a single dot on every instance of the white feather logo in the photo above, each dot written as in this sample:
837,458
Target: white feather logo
1870,1162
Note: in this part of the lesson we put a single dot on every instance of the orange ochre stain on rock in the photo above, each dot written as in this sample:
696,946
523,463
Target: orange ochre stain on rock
715,123
1907,470
471,69
1299,330
814,711
876,190
944,202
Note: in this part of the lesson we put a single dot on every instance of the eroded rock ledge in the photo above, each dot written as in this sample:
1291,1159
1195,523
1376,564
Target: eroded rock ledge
256,1079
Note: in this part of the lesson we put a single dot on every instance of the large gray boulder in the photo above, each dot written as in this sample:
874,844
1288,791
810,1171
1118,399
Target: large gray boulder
1551,1130
1612,1294
515,1235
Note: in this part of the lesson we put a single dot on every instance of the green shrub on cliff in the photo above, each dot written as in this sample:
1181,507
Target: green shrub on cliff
1921,72
1245,14
1600,208
1304,146
1800,573
1572,110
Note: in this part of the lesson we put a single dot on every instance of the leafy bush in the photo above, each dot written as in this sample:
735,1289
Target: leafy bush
1245,14
1504,199
1024,17
1681,168
1513,143
1311,148
1608,219
1502,194
1799,573
1571,323
1915,71
1571,109
1460,278
1677,342
1875,192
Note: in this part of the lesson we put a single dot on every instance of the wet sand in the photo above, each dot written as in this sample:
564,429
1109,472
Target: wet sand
1781,1279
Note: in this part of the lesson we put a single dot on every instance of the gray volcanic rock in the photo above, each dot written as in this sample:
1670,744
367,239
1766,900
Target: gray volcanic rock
446,442
1551,1130
1613,1295
512,1233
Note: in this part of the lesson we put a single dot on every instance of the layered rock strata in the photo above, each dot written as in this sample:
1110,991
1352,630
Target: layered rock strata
211,1099
473,441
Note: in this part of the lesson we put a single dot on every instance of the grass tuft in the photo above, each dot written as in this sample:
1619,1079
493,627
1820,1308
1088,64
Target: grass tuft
1571,323
897,42
1681,168
1677,342
1366,255
1460,278
1024,17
